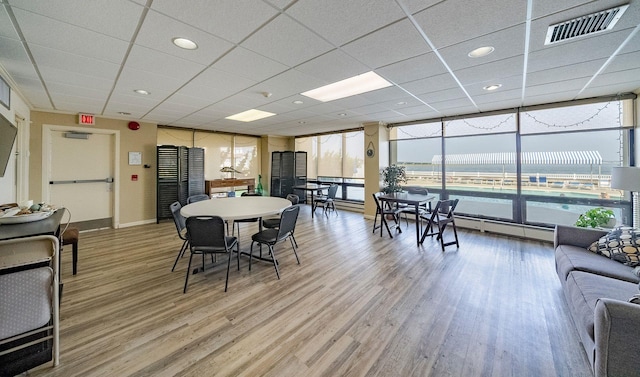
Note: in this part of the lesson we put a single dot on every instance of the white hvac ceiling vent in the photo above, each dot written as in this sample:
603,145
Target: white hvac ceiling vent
585,25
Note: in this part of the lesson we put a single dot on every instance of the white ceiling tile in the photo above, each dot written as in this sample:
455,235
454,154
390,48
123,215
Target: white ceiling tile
287,84
244,63
337,26
396,42
453,21
57,35
115,18
7,30
623,62
578,70
412,69
512,85
568,86
14,58
232,20
333,66
157,32
65,63
146,59
414,6
214,85
431,84
160,87
287,42
493,71
507,43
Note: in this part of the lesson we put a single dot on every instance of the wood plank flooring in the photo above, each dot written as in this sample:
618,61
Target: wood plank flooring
357,305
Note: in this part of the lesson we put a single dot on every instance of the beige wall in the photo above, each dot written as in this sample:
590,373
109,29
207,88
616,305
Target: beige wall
378,135
272,144
137,198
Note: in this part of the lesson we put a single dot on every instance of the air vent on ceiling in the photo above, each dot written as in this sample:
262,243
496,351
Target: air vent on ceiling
585,25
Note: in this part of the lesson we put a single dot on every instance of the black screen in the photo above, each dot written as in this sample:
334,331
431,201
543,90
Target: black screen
8,134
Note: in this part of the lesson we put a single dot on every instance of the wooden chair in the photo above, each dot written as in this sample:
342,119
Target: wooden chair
441,216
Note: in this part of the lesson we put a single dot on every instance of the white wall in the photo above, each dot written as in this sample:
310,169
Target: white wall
14,186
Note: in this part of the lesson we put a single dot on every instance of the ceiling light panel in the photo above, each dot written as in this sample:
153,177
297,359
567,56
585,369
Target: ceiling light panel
359,84
250,115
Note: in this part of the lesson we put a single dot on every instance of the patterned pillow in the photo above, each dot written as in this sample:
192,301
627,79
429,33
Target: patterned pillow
621,244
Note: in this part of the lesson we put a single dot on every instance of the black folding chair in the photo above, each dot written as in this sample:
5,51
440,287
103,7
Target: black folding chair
383,213
441,216
179,221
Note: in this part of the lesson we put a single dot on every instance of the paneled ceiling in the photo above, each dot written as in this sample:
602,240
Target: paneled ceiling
89,56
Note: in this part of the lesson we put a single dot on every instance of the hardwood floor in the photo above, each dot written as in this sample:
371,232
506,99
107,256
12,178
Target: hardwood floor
357,305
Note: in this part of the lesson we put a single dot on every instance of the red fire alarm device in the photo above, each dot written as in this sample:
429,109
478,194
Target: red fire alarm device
86,119
134,126
134,177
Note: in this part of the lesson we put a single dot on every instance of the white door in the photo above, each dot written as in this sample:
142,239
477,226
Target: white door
81,175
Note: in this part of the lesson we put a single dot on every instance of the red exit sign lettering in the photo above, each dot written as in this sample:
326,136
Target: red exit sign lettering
87,119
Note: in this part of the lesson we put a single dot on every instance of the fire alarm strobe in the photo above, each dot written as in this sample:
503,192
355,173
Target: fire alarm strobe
134,126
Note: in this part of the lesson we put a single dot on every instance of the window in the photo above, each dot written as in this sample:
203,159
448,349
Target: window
337,158
542,166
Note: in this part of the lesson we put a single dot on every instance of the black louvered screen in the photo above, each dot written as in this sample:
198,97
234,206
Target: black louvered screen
287,170
180,174
196,171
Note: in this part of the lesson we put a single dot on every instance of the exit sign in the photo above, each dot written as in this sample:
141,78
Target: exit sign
86,119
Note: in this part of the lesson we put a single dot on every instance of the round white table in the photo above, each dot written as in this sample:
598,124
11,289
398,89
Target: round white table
240,208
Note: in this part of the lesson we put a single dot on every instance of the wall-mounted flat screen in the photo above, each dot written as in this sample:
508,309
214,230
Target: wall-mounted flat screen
8,134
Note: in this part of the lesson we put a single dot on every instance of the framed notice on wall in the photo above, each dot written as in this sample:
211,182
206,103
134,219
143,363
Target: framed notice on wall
5,94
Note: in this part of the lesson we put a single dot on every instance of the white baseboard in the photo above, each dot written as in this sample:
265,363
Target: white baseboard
136,223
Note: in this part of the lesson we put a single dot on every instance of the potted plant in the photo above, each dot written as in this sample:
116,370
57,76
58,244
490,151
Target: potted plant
392,176
596,218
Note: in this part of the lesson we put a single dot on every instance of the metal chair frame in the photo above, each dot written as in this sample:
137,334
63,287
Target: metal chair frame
442,215
272,236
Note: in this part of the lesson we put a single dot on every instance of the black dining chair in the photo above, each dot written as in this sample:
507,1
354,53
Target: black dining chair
328,202
236,223
441,216
179,221
197,198
393,213
411,210
206,236
271,236
274,222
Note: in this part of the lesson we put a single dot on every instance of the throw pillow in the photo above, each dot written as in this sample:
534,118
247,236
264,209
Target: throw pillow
620,244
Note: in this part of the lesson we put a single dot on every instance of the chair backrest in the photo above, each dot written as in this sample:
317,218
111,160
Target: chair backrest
205,231
446,207
288,220
293,198
333,190
375,199
417,190
197,198
178,219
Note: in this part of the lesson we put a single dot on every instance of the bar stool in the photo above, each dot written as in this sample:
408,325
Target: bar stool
70,237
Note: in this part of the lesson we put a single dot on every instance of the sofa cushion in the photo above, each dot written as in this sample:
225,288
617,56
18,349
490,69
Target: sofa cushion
583,290
621,244
573,258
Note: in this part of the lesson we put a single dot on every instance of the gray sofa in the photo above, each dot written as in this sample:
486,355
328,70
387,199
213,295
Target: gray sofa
597,290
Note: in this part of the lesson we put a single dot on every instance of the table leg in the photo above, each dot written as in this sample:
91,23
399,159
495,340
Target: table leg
417,223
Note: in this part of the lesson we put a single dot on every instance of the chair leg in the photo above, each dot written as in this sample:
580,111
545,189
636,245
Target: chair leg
275,263
180,254
238,254
250,255
294,249
294,240
375,219
186,280
226,282
75,257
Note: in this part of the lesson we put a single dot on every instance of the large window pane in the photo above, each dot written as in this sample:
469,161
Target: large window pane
330,155
353,155
309,145
418,156
246,156
573,118
217,153
490,124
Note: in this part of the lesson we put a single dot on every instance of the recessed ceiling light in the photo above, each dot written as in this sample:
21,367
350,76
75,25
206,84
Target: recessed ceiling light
359,84
185,43
142,91
302,122
297,102
343,114
250,115
481,51
123,113
492,87
401,103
